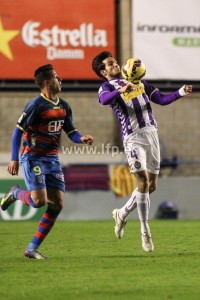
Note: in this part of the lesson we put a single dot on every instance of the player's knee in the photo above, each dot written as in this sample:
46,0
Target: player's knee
59,206
39,202
143,182
56,206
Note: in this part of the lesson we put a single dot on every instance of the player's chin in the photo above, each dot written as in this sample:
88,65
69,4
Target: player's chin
118,73
59,88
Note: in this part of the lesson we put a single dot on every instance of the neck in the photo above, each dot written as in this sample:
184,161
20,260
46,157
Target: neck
113,77
48,94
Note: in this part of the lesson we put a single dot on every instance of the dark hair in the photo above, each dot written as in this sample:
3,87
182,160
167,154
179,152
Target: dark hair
98,65
43,73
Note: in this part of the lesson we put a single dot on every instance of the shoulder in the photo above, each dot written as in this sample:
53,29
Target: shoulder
65,104
149,88
107,86
34,103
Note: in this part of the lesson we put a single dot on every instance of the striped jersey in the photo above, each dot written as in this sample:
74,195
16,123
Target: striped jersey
42,122
133,110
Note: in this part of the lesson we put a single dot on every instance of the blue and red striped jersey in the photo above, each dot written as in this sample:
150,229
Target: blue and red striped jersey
42,122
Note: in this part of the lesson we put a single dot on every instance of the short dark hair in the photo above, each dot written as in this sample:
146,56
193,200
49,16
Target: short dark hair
98,65
43,73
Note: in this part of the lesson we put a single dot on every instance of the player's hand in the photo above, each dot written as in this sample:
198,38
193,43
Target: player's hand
87,139
188,89
126,89
13,167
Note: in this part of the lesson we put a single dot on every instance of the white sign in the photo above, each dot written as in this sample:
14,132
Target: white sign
17,212
166,37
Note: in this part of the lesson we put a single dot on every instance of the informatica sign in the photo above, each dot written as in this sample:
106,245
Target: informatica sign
65,33
166,36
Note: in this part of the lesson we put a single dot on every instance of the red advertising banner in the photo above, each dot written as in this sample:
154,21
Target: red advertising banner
64,33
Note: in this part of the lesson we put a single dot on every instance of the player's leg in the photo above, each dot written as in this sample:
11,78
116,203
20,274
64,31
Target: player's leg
120,215
129,206
140,199
142,195
35,195
136,156
143,205
55,204
55,199
153,182
36,198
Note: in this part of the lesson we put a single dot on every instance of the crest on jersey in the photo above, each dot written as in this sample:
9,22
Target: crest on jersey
137,164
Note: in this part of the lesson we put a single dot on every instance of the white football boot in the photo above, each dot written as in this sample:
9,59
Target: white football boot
147,243
119,224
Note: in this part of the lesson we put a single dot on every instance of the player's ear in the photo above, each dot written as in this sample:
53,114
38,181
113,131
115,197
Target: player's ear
46,82
103,72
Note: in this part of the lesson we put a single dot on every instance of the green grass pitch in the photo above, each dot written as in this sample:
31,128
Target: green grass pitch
87,262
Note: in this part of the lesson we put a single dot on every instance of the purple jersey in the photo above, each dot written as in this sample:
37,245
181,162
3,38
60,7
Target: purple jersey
42,122
133,110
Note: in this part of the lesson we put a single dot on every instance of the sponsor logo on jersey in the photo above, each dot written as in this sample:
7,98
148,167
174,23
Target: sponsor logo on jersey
55,126
138,89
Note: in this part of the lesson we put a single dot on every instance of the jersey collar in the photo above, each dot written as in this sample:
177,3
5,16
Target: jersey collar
55,103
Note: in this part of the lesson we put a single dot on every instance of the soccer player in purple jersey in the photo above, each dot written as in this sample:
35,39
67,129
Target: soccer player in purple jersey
40,126
131,105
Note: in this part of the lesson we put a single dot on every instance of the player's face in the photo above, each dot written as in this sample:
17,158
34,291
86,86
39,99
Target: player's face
112,69
55,83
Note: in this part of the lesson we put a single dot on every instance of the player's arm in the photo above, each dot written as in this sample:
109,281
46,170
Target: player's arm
13,166
107,95
23,123
76,137
164,99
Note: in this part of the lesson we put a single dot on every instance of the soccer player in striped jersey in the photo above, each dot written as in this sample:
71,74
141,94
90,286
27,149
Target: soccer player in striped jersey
40,127
131,103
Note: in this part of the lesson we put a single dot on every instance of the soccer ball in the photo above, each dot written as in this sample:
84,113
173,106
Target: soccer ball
133,70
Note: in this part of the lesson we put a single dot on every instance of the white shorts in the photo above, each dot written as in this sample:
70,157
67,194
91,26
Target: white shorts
143,152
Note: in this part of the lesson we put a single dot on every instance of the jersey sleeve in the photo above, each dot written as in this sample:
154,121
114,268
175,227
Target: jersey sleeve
16,142
107,94
149,89
159,98
68,126
27,117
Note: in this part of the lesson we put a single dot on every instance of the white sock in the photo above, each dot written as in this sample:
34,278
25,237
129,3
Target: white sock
130,205
143,204
149,202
